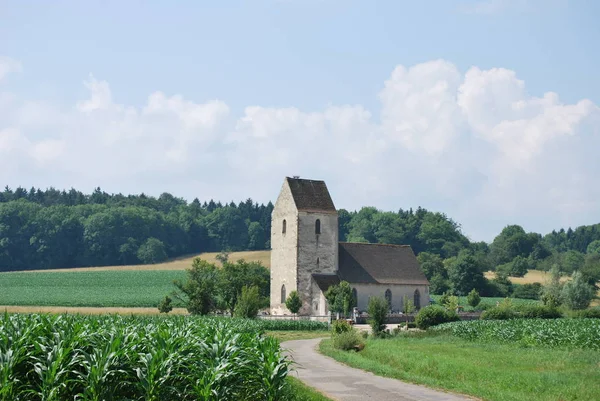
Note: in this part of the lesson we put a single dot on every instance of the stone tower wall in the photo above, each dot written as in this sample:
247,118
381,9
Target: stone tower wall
284,249
317,253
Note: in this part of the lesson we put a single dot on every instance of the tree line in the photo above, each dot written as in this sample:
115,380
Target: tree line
60,229
41,229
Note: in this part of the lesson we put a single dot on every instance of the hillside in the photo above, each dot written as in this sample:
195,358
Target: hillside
180,263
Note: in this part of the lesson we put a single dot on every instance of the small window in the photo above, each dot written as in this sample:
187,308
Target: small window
417,299
388,298
354,298
283,226
283,295
317,262
318,227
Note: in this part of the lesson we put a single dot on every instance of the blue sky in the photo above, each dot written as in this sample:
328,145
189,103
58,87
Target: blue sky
246,82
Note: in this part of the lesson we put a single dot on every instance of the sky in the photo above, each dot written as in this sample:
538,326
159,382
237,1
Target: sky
487,111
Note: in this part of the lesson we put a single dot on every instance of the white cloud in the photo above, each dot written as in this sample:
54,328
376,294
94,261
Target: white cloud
474,145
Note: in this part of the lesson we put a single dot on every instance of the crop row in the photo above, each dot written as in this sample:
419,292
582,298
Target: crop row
570,333
50,358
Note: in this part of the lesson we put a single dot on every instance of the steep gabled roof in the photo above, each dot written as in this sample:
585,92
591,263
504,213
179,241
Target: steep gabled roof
379,264
311,195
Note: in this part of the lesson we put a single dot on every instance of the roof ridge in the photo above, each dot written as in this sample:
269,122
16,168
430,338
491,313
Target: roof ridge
375,243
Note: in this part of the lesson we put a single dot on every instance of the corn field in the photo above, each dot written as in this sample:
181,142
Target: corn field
72,357
568,333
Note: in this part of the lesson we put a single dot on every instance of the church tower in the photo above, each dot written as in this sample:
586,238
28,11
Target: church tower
304,243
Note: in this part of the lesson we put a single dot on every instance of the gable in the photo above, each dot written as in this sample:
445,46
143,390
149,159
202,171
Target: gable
310,195
379,264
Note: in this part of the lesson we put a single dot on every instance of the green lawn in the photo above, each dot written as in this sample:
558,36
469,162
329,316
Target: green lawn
94,288
298,391
490,371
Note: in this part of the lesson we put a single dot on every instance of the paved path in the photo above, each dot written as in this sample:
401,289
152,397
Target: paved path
344,383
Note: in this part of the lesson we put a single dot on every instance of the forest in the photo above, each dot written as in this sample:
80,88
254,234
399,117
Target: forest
44,229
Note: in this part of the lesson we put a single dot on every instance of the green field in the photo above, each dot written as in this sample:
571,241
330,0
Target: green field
500,372
488,302
94,288
60,357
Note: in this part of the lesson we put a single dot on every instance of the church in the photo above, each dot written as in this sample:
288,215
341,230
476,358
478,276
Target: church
306,256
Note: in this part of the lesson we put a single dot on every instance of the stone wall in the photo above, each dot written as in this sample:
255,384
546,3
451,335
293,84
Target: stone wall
284,249
365,291
317,253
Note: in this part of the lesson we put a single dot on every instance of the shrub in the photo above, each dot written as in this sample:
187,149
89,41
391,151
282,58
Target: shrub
577,293
498,313
593,313
293,302
248,304
527,291
377,309
473,299
165,305
340,326
538,312
433,315
349,340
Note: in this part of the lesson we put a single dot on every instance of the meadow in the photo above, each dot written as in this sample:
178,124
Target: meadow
58,357
89,288
492,360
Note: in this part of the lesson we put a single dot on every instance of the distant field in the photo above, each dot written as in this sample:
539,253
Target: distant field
532,276
181,263
88,288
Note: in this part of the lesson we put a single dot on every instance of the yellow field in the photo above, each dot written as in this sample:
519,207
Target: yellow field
182,263
537,276
532,276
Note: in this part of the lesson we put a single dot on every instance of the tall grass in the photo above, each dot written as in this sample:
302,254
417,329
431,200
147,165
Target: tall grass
59,357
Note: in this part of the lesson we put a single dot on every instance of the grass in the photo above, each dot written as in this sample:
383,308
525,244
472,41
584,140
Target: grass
180,263
299,391
296,335
491,371
90,288
487,302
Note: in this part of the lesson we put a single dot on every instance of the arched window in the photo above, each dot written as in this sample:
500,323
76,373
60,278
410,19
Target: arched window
318,227
283,295
417,299
283,227
354,297
388,297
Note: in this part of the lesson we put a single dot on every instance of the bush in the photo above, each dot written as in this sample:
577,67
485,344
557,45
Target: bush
593,313
340,326
165,305
293,302
577,293
248,304
498,313
377,309
473,299
349,340
433,315
538,312
527,291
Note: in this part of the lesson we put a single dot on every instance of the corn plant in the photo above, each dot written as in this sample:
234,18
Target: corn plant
92,358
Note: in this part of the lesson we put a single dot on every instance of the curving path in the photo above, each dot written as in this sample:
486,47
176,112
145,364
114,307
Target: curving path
343,383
